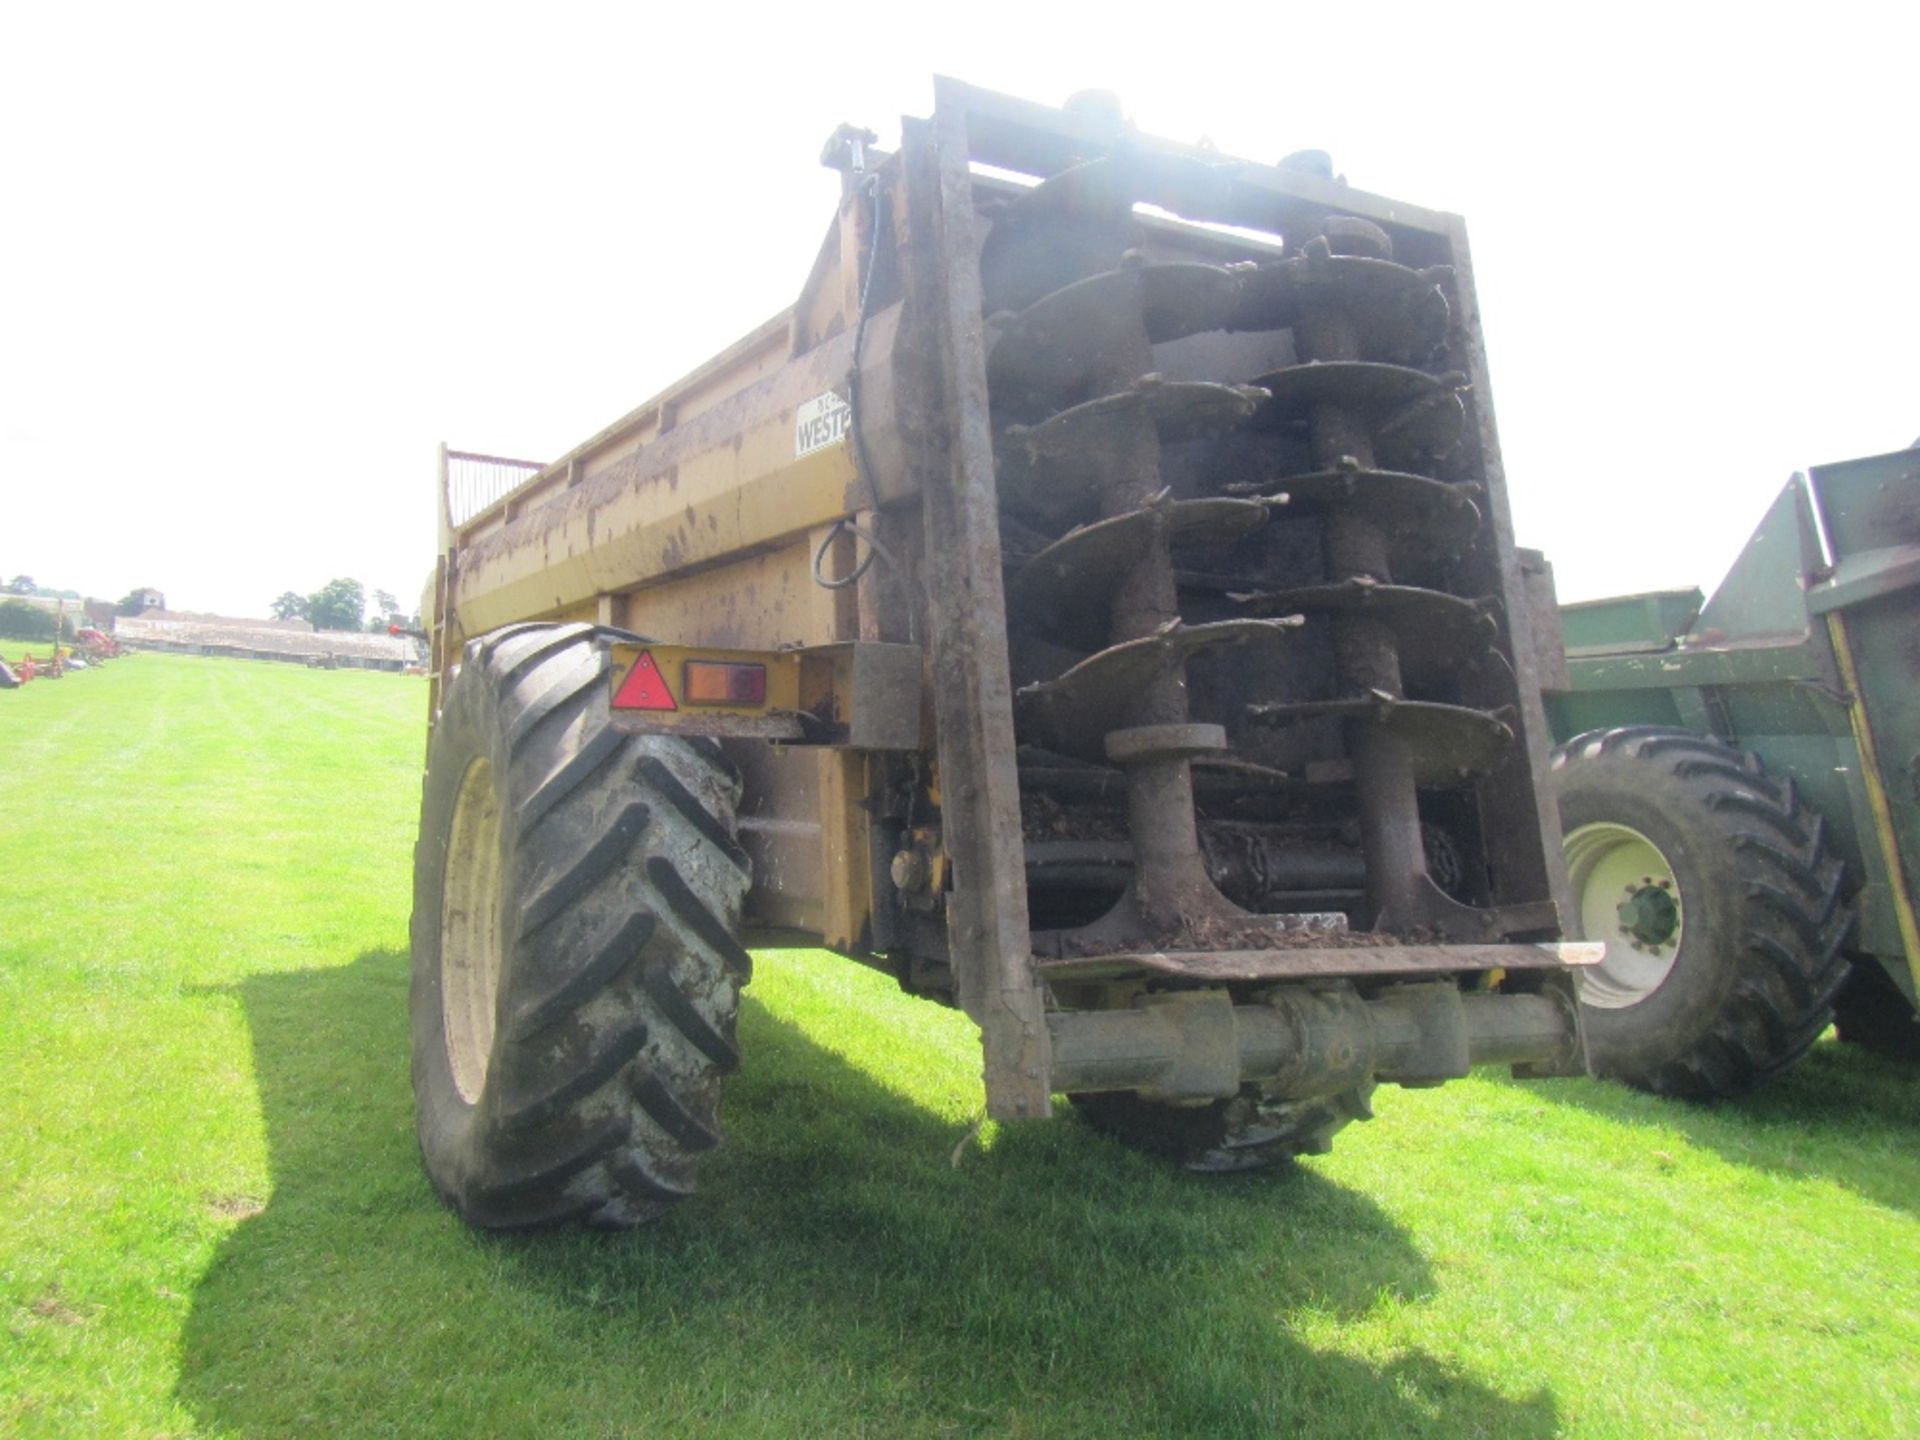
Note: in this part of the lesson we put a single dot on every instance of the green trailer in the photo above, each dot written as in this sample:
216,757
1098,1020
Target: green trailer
1739,788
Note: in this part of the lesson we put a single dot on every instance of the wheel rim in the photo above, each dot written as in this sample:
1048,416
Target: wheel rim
1626,894
470,930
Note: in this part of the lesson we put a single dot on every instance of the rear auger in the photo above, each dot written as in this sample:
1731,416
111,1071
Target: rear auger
1104,501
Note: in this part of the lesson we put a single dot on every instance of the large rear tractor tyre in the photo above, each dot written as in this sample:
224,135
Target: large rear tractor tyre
577,893
1722,912
1871,1011
1248,1132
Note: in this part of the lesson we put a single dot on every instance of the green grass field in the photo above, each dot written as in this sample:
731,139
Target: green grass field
212,1219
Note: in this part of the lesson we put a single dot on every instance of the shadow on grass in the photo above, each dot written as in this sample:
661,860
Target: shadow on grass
838,1275
1842,1114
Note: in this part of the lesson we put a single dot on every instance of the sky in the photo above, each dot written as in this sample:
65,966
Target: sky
257,261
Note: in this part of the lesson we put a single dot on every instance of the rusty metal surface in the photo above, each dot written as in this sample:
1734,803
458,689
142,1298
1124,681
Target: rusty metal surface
973,706
1409,416
1544,637
1191,1045
1153,742
1074,712
1401,314
1358,413
1422,514
1434,630
1307,962
1091,337
1055,466
1356,437
1448,741
1054,346
1065,588
1216,777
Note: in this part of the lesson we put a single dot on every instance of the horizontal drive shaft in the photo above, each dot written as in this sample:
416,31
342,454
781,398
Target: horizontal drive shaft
1198,1045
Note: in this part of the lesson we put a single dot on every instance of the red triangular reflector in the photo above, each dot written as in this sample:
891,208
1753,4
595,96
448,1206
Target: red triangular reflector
645,688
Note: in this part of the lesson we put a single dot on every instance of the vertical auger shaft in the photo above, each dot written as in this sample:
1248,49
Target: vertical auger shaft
1365,415
1366,651
1170,881
1082,224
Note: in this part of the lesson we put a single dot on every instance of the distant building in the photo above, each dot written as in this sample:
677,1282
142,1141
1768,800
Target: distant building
203,617
145,600
287,640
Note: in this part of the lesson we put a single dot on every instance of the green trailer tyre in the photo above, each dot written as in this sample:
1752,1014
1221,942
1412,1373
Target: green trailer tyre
1723,914
577,893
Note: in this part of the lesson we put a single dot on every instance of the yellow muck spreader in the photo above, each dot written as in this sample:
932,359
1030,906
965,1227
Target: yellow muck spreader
1093,603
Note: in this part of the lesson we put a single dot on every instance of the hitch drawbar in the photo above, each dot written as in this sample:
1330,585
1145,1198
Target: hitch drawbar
1307,1042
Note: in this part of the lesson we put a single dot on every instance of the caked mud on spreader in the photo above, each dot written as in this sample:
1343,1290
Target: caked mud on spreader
1093,603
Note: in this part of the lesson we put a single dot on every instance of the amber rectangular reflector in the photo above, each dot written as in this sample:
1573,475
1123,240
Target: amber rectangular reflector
715,682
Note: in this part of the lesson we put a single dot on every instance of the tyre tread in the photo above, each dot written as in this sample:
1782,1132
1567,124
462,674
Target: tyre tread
622,970
1794,911
545,1008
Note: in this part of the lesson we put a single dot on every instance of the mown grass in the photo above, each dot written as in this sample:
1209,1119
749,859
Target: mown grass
212,1219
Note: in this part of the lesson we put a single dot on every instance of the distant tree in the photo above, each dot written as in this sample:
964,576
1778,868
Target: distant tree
21,621
337,605
289,606
21,585
131,603
386,612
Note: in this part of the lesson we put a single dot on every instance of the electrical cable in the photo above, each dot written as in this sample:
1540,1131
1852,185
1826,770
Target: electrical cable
863,463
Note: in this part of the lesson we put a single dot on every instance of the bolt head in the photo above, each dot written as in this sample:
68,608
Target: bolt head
910,871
